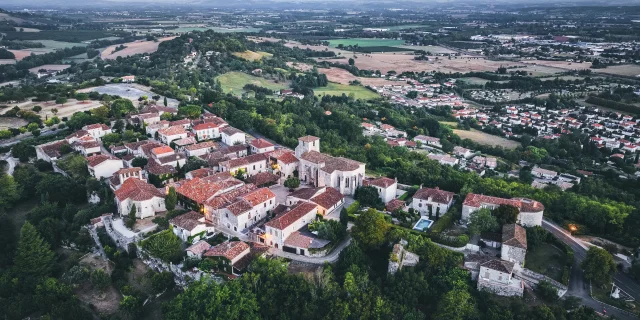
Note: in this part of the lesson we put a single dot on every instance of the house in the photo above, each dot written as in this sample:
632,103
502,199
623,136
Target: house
530,211
282,226
261,146
543,173
87,148
50,151
284,163
496,276
146,198
208,130
227,255
193,193
214,208
169,134
162,173
514,244
386,187
200,149
429,141
443,159
235,151
250,165
248,209
103,166
128,79
197,249
263,179
326,198
79,136
121,175
190,225
97,131
321,170
462,152
180,144
232,136
432,201
199,173
395,204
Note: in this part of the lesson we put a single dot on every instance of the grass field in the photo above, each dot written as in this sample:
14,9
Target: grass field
485,138
252,55
336,89
546,259
450,124
233,82
366,42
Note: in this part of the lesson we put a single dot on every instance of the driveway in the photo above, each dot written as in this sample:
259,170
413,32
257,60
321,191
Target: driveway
330,258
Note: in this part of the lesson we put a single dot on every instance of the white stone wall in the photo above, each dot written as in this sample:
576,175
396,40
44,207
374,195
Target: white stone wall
501,290
231,140
513,254
530,219
107,168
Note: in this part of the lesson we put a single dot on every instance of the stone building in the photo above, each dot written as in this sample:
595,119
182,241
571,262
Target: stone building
514,244
530,211
496,276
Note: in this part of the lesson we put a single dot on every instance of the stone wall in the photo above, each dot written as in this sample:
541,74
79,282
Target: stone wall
501,290
530,219
534,278
513,254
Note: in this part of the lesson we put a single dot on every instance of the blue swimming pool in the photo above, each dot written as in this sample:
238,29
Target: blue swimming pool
422,224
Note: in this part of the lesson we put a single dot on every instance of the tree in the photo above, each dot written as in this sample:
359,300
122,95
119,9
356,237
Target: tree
164,245
36,109
9,192
165,101
506,214
54,111
82,97
120,107
344,216
292,182
547,291
370,229
190,111
171,199
34,259
131,217
482,221
351,61
162,281
110,139
8,238
368,197
598,266
130,305
100,280
60,100
456,304
139,162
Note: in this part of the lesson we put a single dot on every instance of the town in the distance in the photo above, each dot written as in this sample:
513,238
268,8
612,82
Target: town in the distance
448,161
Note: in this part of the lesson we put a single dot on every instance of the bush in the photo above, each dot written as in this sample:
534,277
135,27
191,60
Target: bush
353,208
162,281
444,223
547,291
456,242
100,280
164,245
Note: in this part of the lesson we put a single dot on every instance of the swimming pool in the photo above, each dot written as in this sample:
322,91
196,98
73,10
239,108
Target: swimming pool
422,224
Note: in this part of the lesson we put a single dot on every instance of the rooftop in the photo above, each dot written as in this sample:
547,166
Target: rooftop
288,218
229,250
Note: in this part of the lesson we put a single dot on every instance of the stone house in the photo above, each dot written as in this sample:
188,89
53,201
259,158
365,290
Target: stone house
103,166
496,276
514,244
147,198
189,225
232,136
282,226
529,211
432,199
226,255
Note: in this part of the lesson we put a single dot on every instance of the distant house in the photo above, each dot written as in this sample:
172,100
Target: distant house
261,146
98,130
147,199
189,225
103,166
496,276
386,187
128,79
543,173
530,211
430,141
462,152
432,200
232,136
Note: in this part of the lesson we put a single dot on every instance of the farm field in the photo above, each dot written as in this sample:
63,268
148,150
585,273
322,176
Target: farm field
621,70
299,66
485,138
57,67
432,49
133,48
233,82
129,91
474,80
49,46
252,56
366,42
342,76
27,29
336,89
7,123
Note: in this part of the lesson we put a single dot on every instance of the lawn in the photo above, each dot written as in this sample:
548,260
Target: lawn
336,89
485,138
233,82
546,259
450,124
366,42
253,56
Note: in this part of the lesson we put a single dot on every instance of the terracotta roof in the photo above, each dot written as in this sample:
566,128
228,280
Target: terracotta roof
233,149
328,198
291,216
161,150
185,141
256,250
78,134
205,126
157,169
95,160
259,196
90,144
199,247
305,240
263,178
202,189
305,193
284,155
202,145
308,139
514,235
201,173
172,131
155,108
180,122
222,200
260,143
171,158
382,182
331,164
137,190
499,265
214,158
146,148
128,170
187,221
436,195
239,162
239,207
524,205
137,144
394,205
53,149
229,130
229,250
96,126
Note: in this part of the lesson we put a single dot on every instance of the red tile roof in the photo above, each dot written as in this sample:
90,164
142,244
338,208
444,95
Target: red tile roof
291,216
239,207
239,162
308,139
172,131
161,150
137,190
95,160
524,205
394,205
263,178
284,155
202,189
229,250
205,126
96,126
259,196
328,198
260,143
382,182
514,235
436,195
227,198
202,145
187,221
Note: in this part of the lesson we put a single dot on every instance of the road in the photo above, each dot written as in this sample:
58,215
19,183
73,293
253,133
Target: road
18,138
578,287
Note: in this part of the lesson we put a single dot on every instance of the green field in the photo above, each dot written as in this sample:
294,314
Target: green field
546,259
336,89
52,45
216,29
366,42
233,82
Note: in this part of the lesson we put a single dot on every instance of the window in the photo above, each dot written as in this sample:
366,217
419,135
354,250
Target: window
254,167
265,204
226,215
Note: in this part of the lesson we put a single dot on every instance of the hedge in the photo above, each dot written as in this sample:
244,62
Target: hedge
443,223
353,208
456,242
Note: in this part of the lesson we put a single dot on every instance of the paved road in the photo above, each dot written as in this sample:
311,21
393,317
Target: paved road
18,138
578,287
330,258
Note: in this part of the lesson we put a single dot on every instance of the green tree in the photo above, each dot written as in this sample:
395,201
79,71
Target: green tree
190,111
60,100
131,217
8,238
9,192
370,229
165,101
120,107
171,199
164,245
482,221
23,151
36,109
344,216
130,305
139,162
506,214
161,281
82,97
34,259
456,304
598,266
100,280
292,182
547,291
368,197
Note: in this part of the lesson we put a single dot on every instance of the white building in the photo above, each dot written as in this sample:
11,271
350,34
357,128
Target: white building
321,170
248,209
281,227
543,173
147,199
514,244
50,151
232,136
103,166
261,146
284,163
208,130
98,130
530,211
200,149
169,134
496,276
326,198
429,141
386,187
251,164
189,225
428,200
